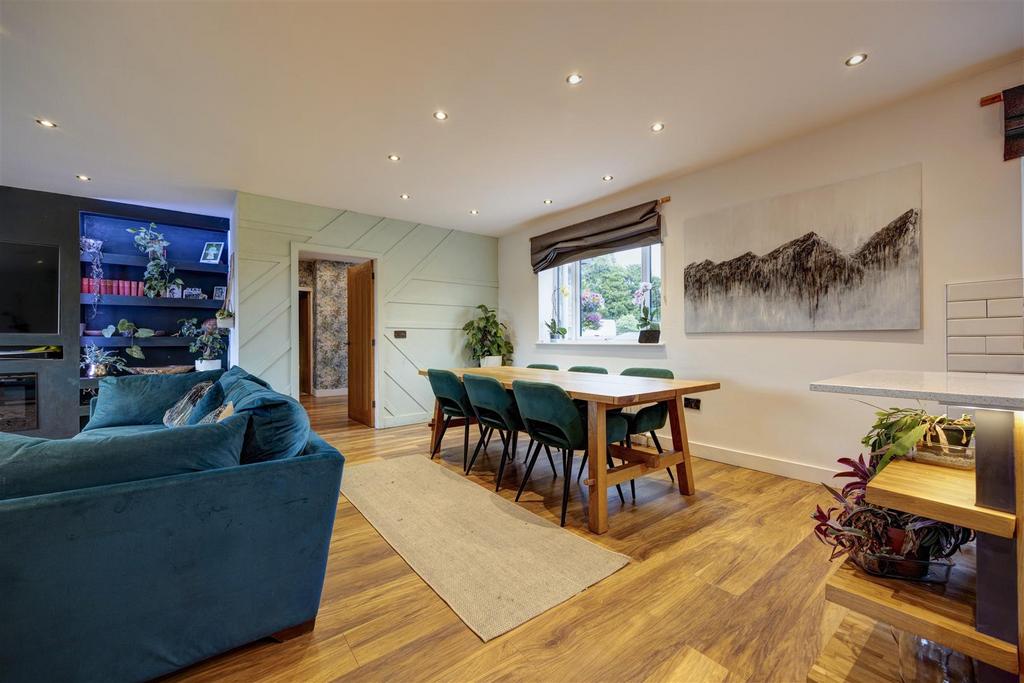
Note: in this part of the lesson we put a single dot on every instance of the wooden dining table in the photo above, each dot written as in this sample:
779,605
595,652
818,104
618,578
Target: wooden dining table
601,393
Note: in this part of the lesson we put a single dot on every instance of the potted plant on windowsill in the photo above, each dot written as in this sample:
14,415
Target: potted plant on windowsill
650,333
555,331
487,338
97,362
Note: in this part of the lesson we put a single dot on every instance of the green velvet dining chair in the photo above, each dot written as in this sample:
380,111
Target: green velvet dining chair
593,369
542,366
552,419
451,395
651,418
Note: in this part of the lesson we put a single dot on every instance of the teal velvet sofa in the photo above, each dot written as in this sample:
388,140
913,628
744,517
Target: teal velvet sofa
131,580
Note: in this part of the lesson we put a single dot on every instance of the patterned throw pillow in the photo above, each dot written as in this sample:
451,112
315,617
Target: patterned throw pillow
178,414
219,413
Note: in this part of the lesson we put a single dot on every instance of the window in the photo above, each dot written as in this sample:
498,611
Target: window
602,298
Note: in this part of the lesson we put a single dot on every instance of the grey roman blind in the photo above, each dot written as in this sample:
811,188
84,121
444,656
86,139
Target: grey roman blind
1013,111
637,226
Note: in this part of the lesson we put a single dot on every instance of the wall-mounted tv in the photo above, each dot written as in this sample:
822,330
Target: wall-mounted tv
29,288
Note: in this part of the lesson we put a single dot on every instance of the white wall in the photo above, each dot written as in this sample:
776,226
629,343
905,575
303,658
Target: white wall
428,280
764,417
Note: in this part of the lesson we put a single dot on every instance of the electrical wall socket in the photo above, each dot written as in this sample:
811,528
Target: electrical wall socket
693,403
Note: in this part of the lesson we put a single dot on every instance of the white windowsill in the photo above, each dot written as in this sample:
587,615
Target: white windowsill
595,342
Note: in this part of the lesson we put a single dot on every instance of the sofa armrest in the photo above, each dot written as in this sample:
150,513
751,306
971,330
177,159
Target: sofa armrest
131,581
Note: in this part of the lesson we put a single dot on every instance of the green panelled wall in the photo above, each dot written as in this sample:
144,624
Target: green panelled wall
429,279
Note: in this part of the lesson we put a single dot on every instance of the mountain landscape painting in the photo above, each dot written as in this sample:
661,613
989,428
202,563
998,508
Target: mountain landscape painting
841,257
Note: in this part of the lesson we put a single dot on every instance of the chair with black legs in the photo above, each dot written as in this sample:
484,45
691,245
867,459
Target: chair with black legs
542,366
650,418
552,419
454,401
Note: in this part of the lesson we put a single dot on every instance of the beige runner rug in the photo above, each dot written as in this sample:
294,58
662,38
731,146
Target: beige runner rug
494,563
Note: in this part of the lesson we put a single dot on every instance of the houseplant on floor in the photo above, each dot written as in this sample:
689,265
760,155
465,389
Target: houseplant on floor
487,338
97,362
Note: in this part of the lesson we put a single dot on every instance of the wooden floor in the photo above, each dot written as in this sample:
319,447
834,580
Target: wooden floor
725,585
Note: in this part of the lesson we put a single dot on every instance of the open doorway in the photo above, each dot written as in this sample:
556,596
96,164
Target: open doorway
335,315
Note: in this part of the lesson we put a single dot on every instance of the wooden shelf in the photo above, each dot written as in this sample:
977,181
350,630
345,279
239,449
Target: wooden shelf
142,262
944,614
117,300
941,493
120,341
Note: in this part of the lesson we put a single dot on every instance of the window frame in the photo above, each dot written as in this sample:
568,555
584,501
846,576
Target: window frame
569,315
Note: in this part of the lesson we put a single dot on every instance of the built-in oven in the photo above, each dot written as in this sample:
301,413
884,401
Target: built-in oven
19,395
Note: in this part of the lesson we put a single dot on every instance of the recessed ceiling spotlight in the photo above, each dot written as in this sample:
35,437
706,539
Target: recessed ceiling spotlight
547,201
394,157
83,178
606,178
474,212
46,123
657,127
404,196
856,59
574,78
440,115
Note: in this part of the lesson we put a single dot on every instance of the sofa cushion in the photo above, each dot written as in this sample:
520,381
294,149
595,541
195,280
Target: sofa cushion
278,426
30,466
178,414
210,400
235,373
122,430
142,399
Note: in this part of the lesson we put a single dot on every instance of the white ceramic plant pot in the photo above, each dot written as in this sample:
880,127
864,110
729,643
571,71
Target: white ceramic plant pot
226,323
202,365
490,362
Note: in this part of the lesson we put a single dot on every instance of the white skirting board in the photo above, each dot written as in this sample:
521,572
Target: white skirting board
753,461
319,393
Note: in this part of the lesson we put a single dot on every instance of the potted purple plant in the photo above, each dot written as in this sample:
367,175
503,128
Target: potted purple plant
590,309
882,541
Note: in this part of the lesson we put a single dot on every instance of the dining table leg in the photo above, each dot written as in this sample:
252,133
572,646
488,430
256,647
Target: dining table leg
680,442
435,426
597,449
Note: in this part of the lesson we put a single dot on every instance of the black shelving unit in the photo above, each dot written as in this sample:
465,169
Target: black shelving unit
119,341
142,261
118,300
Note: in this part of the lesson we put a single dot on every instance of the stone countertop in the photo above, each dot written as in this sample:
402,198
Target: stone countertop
969,389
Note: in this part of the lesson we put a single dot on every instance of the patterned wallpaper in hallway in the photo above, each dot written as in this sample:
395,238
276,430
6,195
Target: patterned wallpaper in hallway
329,283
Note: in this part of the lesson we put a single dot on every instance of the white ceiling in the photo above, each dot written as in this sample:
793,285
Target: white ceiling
179,104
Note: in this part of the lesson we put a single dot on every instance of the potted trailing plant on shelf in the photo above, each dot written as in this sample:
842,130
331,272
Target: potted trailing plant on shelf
159,273
487,338
128,329
650,333
225,319
93,249
555,331
883,541
97,362
207,342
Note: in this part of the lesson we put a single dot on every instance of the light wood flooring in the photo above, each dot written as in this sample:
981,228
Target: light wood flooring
725,585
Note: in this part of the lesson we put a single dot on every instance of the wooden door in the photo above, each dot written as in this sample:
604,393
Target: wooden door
360,343
305,342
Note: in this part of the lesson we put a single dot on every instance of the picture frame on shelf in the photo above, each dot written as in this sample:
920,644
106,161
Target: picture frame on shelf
193,293
220,293
173,292
212,252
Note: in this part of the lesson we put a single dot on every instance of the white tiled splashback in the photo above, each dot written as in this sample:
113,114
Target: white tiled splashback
985,326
